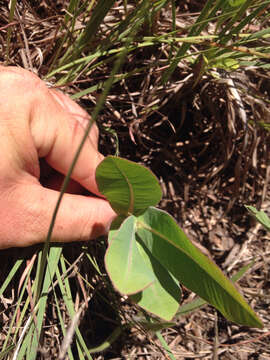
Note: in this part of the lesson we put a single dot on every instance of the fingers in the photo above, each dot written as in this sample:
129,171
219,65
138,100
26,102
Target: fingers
46,123
78,113
30,212
58,126
37,122
52,179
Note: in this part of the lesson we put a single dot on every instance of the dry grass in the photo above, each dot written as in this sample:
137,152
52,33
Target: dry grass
207,141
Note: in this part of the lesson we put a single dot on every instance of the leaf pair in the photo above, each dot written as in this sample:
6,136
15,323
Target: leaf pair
149,254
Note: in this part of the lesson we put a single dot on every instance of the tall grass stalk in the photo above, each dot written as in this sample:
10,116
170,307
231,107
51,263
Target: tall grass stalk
55,253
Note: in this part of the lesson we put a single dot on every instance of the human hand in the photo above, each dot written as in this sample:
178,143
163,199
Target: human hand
37,122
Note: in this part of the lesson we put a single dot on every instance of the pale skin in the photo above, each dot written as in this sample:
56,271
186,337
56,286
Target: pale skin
38,122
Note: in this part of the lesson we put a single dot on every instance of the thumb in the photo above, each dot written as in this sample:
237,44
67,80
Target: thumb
79,218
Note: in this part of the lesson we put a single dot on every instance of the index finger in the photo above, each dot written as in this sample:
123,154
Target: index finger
58,127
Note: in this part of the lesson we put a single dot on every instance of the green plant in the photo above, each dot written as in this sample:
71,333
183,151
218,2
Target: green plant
148,253
259,216
84,50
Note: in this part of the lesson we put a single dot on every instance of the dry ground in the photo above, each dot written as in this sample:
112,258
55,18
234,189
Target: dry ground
210,160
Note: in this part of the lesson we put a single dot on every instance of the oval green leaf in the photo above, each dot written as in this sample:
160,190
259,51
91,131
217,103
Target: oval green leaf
130,188
124,264
133,270
163,296
171,247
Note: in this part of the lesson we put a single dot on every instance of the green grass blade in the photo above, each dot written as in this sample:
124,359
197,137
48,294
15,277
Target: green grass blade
235,30
95,113
68,29
8,350
42,284
262,34
51,267
84,40
19,302
62,322
13,4
237,16
108,342
12,272
165,346
195,30
67,297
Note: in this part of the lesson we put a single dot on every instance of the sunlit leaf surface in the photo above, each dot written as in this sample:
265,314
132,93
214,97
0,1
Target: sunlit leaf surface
170,246
129,187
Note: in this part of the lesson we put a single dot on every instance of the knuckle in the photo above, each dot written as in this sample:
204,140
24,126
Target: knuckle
19,80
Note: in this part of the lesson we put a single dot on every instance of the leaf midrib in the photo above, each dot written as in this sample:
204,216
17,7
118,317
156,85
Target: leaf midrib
236,297
131,192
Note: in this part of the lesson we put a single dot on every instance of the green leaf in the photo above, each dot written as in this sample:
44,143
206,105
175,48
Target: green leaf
129,187
132,269
259,216
198,302
227,64
4,353
163,296
124,263
235,3
171,247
